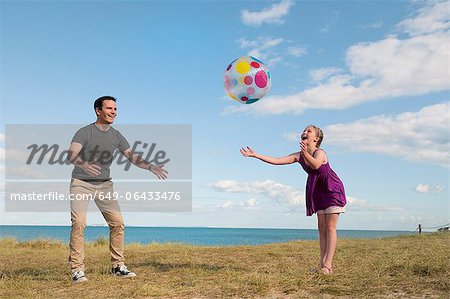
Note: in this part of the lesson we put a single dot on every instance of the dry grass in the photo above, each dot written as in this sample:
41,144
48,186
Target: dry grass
398,267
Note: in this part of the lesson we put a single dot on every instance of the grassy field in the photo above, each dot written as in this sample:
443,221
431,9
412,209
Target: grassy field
398,267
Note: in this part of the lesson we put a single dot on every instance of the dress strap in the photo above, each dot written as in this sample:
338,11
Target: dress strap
316,151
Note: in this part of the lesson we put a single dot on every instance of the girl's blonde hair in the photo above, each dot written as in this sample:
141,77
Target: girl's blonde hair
319,134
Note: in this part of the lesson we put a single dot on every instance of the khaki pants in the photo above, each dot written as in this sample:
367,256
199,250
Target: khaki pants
111,212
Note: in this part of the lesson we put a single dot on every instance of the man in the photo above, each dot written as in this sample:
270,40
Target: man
91,151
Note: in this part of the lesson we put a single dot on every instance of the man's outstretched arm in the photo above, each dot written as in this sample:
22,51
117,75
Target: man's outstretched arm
137,160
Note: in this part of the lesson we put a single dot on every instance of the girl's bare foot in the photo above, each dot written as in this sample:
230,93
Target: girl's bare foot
326,270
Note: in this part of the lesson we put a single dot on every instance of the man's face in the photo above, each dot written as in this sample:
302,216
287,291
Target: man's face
108,112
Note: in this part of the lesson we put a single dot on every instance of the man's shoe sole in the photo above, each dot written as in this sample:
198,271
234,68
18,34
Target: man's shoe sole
126,276
84,279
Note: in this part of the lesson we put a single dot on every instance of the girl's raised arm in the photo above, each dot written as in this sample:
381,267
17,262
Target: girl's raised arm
292,158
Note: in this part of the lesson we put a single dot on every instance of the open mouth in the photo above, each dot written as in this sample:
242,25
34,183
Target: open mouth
303,137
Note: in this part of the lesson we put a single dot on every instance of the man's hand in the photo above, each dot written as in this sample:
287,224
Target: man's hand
92,168
159,171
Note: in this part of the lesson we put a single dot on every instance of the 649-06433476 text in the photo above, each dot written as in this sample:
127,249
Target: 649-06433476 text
129,195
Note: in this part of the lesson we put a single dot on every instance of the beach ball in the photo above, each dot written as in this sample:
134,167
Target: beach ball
247,80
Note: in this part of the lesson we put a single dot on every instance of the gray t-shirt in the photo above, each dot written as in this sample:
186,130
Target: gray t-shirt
98,146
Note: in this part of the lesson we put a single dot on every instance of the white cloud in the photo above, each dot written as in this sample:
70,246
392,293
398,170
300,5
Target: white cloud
273,14
262,48
364,205
421,188
292,136
249,204
2,137
394,66
417,136
430,19
425,188
25,173
226,205
297,51
274,60
374,25
15,155
282,194
324,73
270,49
261,43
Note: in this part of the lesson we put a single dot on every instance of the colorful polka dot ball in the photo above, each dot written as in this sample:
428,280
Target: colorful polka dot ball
247,80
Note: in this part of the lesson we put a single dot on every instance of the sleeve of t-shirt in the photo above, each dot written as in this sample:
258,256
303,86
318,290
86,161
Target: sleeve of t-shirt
123,143
80,136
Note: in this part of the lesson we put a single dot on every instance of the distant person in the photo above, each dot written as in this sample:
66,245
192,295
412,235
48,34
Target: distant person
325,193
91,151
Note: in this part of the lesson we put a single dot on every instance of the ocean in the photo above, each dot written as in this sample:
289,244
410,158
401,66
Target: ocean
188,235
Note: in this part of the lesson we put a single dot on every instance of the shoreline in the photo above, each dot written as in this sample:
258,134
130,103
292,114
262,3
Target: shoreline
206,227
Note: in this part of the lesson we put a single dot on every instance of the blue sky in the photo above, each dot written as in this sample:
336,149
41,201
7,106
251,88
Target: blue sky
374,75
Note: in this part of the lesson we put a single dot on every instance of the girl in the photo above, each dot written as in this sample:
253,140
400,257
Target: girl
325,193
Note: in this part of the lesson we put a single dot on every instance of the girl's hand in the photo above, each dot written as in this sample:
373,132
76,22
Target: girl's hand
247,152
303,146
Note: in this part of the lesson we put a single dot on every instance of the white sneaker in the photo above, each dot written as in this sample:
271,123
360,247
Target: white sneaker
78,276
123,271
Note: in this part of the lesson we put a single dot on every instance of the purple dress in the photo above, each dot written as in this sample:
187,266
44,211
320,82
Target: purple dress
323,188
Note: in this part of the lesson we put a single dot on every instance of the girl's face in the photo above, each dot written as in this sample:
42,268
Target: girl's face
309,134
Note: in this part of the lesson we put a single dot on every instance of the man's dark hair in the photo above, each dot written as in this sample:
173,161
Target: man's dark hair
99,102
